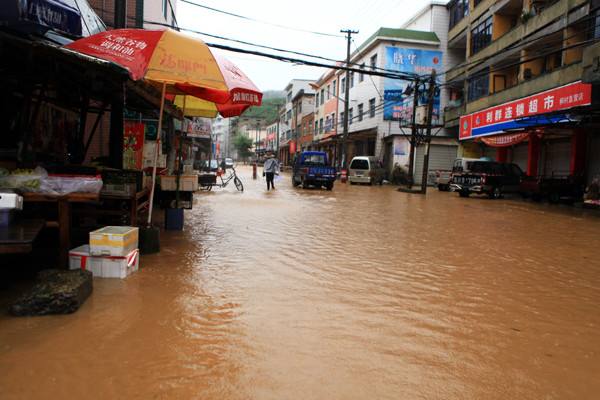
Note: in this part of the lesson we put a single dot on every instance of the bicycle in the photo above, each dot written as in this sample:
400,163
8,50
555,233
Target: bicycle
224,182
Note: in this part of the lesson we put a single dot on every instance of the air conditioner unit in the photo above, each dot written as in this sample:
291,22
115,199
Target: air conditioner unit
421,115
527,74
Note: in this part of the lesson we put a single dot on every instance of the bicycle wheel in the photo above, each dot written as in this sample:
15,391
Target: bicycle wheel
238,184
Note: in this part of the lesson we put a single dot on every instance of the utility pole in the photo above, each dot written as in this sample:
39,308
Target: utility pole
348,33
430,99
413,135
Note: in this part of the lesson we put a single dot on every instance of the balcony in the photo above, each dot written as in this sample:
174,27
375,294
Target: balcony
558,77
456,73
531,26
452,114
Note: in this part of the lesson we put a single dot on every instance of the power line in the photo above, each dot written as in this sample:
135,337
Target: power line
258,20
157,23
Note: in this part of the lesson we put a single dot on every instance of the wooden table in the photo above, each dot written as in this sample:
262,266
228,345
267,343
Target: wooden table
64,217
19,235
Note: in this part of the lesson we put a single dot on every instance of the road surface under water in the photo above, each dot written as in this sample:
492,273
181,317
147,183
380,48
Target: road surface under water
358,293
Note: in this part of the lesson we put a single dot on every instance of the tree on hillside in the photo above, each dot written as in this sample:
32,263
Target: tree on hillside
242,144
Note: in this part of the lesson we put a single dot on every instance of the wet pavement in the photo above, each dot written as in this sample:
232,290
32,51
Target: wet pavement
358,293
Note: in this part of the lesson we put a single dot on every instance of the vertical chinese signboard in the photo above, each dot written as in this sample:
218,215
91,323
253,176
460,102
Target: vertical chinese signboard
422,62
133,145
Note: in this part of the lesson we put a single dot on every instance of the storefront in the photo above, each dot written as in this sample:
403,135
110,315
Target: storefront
546,134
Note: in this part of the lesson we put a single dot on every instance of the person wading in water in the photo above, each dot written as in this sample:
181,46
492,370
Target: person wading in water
270,169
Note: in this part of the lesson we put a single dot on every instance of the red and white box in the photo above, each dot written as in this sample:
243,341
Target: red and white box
104,266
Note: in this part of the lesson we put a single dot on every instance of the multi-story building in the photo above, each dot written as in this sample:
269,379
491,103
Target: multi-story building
326,112
221,130
149,14
379,110
272,136
287,123
521,81
303,105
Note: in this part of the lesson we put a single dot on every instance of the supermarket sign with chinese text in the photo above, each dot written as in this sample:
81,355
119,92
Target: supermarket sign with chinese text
522,113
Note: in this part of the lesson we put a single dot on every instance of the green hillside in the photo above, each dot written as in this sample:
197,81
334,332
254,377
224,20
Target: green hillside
267,113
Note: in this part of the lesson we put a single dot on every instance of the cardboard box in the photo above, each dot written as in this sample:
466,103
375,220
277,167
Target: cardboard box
187,183
113,241
104,266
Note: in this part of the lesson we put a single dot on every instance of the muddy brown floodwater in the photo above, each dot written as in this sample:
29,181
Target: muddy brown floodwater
358,293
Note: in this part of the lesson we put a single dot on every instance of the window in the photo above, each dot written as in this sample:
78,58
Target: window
374,62
458,9
321,125
479,86
343,85
360,112
322,96
300,107
317,99
481,36
165,8
328,92
288,115
314,159
341,117
316,126
359,164
351,79
289,97
362,76
350,115
371,108
333,89
333,121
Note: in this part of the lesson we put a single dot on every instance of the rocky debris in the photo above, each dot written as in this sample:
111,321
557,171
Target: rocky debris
57,292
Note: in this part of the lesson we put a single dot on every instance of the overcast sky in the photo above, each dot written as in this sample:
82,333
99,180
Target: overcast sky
311,15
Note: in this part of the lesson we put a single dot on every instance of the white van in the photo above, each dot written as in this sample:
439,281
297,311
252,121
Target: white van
365,169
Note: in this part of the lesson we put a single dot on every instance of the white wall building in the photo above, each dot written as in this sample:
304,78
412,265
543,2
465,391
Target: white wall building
221,128
378,107
160,11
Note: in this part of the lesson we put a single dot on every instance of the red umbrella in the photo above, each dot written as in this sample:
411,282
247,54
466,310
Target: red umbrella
179,63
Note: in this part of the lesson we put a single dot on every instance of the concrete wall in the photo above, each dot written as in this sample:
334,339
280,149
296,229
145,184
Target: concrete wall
153,11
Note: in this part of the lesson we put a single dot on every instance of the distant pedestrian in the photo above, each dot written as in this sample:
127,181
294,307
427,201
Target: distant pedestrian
270,169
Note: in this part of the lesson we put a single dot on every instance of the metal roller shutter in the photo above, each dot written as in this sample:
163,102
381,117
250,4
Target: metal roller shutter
593,169
557,158
440,157
520,155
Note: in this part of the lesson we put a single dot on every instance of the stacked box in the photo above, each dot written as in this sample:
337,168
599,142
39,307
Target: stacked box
187,183
104,266
113,241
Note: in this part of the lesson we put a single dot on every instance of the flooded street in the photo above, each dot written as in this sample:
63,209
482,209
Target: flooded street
358,293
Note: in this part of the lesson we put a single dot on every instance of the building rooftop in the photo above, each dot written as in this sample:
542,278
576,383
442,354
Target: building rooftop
408,35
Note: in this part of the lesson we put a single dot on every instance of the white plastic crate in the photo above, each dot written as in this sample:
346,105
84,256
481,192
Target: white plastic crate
187,183
11,200
104,266
113,241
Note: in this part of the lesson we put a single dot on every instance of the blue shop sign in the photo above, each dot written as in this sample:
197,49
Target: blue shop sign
51,14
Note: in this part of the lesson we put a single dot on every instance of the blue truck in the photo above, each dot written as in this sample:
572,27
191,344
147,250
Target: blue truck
311,168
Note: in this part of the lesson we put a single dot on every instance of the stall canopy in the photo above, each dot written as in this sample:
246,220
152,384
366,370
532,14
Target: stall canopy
179,64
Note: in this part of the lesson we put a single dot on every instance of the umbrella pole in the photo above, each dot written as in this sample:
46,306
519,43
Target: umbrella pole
158,133
179,157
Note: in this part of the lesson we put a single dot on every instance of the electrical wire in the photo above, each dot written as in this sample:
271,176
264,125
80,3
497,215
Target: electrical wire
260,21
157,23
